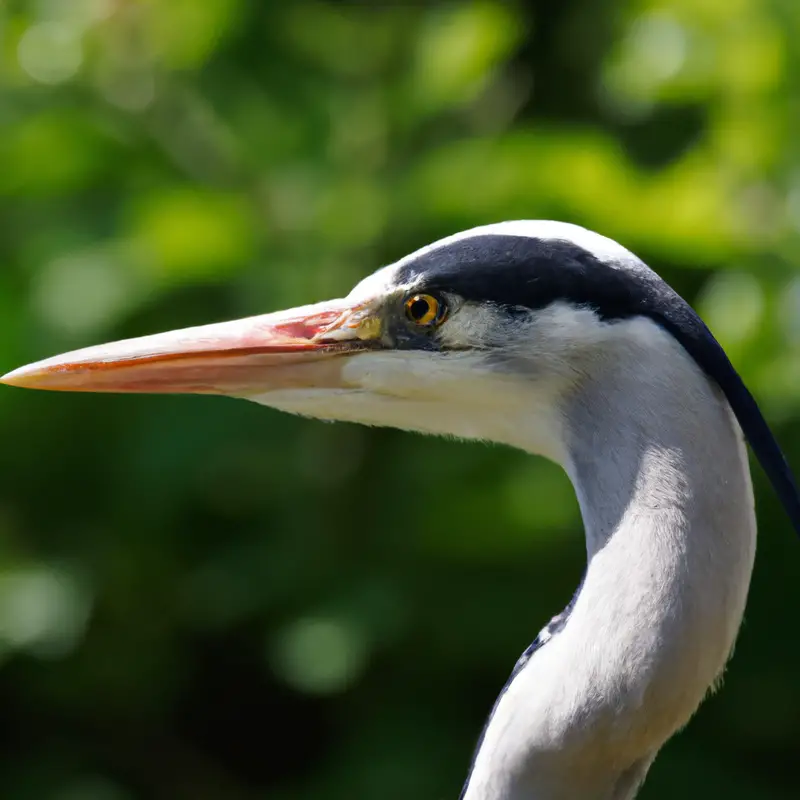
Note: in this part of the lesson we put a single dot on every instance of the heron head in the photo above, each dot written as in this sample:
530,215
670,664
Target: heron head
453,339
483,335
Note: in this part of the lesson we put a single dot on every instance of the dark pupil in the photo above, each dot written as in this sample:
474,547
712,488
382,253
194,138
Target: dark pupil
419,308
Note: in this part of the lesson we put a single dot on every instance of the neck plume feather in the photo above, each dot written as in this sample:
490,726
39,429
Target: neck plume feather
661,473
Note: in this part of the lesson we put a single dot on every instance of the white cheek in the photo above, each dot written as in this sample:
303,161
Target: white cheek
366,408
344,405
413,374
474,325
458,395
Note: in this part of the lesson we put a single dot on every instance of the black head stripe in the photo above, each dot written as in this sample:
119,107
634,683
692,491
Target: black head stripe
524,271
531,272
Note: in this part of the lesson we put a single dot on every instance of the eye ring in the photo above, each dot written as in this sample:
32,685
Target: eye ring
425,310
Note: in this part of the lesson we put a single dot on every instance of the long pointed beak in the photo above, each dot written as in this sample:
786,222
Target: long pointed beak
288,349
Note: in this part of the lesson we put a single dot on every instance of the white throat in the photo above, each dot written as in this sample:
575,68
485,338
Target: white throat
661,473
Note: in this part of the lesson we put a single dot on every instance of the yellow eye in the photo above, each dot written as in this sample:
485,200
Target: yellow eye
425,310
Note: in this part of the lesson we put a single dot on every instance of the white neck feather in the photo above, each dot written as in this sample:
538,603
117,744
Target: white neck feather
662,478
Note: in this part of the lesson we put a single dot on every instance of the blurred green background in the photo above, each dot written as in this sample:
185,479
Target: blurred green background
201,598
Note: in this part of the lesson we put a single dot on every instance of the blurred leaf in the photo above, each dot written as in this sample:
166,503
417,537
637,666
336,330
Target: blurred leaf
54,152
190,233
458,47
184,33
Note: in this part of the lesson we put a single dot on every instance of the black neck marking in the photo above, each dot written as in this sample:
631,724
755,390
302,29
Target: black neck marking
554,627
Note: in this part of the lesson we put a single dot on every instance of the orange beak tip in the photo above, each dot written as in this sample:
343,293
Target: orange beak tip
19,377
32,376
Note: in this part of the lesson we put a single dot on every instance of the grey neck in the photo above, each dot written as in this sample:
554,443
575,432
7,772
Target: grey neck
661,475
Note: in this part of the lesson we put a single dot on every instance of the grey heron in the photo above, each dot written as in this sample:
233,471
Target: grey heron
556,340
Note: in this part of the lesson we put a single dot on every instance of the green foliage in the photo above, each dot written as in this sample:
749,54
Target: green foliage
204,599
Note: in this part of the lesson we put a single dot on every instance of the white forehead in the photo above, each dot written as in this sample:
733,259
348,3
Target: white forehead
601,247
